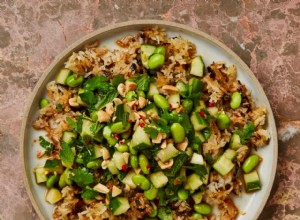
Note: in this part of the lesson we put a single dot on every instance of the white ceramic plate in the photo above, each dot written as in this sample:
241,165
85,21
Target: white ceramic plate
211,50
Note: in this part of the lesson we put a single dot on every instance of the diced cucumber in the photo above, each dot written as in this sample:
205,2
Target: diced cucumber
158,179
193,182
152,91
252,181
198,122
223,165
79,100
40,175
118,160
189,151
62,76
98,151
151,110
174,99
56,169
183,88
197,159
128,180
235,142
112,168
140,139
230,154
200,136
53,196
197,66
197,197
69,137
201,106
146,51
119,205
87,127
213,111
167,153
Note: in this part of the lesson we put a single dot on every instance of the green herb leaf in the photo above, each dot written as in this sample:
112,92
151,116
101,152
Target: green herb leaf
50,164
121,175
171,117
96,127
247,133
198,169
72,124
97,82
59,107
209,159
114,204
153,132
88,97
117,79
66,154
156,127
46,144
143,82
186,123
89,194
106,99
121,115
206,133
179,161
81,177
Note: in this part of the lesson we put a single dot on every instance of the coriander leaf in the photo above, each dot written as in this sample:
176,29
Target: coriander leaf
247,133
66,154
81,177
171,117
47,145
165,213
89,194
114,204
106,99
50,164
88,97
249,130
153,132
97,82
96,127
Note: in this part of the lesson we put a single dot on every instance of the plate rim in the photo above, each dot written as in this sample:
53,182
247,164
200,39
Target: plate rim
148,22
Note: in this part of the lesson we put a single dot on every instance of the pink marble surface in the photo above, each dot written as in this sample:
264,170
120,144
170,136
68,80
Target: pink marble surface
264,33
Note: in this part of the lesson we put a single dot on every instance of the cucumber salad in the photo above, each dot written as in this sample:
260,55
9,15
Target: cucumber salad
148,131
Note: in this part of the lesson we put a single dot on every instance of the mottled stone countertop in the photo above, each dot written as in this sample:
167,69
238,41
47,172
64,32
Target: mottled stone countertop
264,33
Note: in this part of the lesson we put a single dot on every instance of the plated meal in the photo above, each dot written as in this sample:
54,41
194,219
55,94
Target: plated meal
148,131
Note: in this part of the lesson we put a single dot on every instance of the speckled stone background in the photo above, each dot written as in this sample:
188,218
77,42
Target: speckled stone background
264,33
